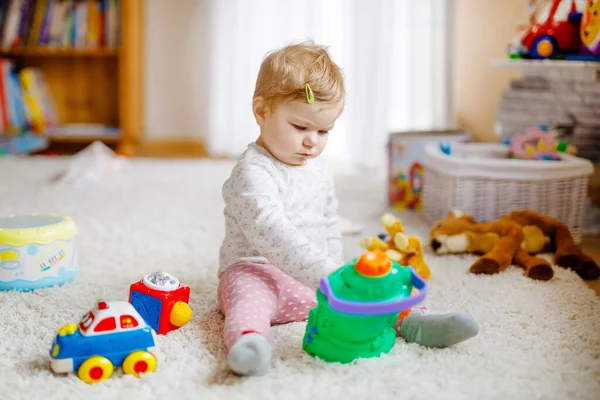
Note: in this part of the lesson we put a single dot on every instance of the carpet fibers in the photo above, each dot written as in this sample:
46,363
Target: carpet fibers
537,340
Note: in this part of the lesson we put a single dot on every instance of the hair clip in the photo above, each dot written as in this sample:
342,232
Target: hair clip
310,97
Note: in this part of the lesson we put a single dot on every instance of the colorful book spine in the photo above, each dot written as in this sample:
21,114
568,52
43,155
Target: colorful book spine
26,103
81,24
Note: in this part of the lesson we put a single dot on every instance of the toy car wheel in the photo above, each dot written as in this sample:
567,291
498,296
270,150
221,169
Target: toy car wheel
544,47
95,369
139,362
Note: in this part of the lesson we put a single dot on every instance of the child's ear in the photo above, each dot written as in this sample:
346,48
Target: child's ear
260,110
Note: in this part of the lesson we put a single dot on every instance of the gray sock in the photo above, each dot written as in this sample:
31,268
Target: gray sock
250,355
438,329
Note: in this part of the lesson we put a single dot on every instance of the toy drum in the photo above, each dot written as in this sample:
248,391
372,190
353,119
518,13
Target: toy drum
36,251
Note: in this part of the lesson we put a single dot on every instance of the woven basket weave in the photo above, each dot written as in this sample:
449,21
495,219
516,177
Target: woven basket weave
482,182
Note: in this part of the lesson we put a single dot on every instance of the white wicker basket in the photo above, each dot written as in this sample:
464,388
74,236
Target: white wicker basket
490,185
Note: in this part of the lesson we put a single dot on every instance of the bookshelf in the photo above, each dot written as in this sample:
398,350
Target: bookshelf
92,87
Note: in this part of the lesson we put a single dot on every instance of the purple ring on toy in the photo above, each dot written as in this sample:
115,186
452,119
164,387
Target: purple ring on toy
376,307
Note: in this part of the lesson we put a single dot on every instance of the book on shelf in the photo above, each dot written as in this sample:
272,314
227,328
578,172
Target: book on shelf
71,24
27,107
26,103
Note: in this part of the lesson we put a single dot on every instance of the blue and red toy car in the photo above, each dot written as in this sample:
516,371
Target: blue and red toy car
110,335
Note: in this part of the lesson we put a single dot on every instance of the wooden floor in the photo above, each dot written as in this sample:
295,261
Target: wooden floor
196,149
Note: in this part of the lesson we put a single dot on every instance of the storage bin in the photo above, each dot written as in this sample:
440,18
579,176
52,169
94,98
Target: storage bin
406,151
481,180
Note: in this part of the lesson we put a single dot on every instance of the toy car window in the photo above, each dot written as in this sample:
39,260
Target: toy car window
127,321
86,321
580,5
563,11
542,11
107,324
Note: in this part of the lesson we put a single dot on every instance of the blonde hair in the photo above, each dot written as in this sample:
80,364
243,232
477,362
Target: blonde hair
284,73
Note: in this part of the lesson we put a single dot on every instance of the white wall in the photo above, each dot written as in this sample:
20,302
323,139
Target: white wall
174,68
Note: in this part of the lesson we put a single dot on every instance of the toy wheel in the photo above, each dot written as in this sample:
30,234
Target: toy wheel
544,47
181,313
139,362
95,369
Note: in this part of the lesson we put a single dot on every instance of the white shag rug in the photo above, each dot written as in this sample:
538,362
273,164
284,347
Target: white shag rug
537,340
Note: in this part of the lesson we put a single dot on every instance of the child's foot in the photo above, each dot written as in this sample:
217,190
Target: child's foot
437,329
250,355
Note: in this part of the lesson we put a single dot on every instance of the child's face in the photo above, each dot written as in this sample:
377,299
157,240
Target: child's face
296,131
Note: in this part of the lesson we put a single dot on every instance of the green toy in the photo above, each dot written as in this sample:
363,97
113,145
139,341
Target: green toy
357,307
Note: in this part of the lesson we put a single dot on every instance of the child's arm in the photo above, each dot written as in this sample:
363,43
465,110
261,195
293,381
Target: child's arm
253,199
334,231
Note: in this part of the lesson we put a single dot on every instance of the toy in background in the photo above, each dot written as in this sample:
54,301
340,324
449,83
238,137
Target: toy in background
403,249
112,334
514,238
539,144
493,186
37,251
162,300
446,148
27,106
553,30
405,191
482,151
357,307
566,29
590,28
405,170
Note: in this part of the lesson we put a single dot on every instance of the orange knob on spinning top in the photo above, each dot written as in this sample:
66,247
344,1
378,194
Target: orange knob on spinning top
374,263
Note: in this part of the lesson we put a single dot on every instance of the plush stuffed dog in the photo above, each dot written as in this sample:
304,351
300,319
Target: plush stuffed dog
514,238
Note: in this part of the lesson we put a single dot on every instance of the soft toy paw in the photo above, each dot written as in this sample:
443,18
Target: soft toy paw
485,265
580,263
542,271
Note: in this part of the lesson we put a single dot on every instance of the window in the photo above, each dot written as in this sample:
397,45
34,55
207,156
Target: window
542,11
107,324
86,321
563,11
127,321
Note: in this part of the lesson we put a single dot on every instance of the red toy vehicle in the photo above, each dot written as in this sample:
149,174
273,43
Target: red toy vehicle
554,29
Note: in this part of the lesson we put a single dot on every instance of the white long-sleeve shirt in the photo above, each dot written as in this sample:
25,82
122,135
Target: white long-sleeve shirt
282,215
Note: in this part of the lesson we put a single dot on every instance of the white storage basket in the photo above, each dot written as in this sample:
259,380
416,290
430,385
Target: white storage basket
480,180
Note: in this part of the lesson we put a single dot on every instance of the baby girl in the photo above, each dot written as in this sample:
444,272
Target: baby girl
282,227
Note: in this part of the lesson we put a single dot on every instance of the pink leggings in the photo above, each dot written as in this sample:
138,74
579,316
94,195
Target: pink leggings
255,296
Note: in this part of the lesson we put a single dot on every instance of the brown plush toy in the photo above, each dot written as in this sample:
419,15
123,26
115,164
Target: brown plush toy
514,238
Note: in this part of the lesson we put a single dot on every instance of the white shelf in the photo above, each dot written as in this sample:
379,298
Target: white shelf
521,63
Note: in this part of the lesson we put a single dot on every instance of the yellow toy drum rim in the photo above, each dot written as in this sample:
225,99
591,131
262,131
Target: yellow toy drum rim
63,229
